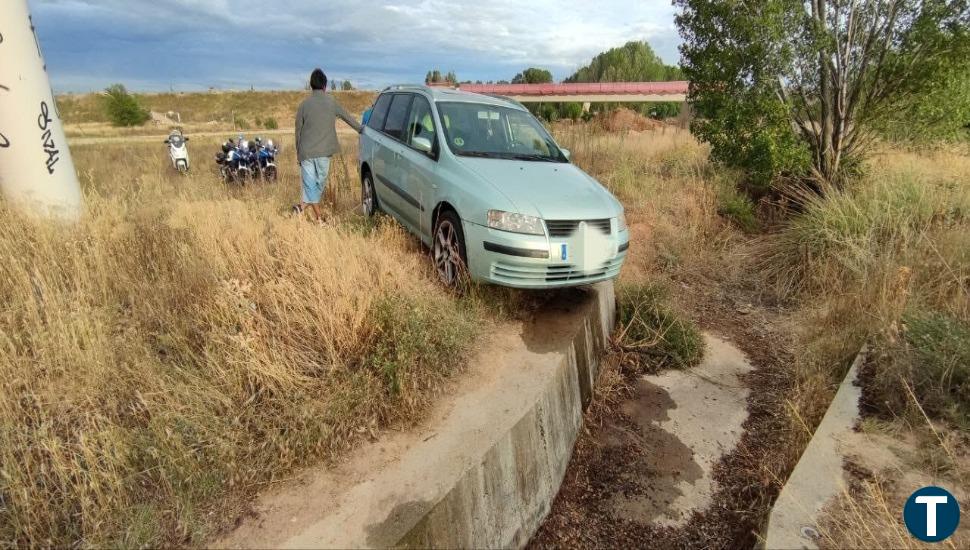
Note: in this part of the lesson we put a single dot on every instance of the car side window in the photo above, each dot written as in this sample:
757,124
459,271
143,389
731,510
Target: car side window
379,114
421,122
397,115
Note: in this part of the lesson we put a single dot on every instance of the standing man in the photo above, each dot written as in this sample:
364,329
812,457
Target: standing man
316,140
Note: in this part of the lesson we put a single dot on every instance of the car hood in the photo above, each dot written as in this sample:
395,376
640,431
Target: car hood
549,190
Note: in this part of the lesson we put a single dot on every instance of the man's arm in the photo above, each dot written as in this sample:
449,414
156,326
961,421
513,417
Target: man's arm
347,118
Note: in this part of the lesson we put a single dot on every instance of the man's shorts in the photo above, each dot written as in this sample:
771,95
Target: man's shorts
314,172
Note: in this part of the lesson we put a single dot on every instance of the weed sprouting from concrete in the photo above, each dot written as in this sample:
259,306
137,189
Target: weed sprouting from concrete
652,330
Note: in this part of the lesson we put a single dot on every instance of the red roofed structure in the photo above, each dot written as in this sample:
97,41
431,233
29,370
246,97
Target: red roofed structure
631,92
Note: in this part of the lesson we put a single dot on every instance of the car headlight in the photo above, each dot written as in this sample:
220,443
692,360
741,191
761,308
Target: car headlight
621,222
515,222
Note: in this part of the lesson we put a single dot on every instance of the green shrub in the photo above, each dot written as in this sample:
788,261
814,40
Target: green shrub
416,344
940,374
739,209
661,111
572,111
242,123
651,329
122,108
270,123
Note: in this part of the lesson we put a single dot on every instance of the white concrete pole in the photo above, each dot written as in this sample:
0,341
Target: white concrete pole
36,169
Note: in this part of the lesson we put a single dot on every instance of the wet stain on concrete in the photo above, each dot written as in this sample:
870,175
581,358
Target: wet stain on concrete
650,488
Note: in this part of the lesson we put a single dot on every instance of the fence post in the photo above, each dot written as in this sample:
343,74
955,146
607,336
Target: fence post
36,169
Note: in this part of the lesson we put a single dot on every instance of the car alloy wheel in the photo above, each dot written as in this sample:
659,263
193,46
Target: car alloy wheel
367,195
447,250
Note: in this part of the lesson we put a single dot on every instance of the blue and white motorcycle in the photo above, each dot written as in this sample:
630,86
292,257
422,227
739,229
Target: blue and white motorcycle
266,161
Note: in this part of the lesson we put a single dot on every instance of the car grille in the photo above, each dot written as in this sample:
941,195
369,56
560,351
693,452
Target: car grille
523,274
565,228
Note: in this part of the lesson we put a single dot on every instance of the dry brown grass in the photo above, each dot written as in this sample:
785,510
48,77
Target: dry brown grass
870,517
200,112
186,343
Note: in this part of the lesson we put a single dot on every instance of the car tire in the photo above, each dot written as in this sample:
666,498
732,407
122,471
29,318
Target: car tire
368,195
448,250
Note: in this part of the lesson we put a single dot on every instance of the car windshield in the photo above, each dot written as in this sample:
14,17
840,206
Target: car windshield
492,131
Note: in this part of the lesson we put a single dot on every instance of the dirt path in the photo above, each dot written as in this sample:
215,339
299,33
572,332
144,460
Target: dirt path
690,470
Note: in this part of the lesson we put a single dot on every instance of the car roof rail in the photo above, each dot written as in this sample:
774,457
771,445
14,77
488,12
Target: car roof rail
508,99
406,87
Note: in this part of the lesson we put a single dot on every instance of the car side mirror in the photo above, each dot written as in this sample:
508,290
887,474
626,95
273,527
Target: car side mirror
422,144
565,152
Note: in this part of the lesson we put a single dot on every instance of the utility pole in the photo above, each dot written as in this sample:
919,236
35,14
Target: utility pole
36,169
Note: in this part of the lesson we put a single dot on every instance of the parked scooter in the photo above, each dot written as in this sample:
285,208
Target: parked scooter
178,151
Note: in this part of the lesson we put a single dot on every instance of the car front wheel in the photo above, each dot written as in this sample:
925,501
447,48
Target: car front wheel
448,249
368,198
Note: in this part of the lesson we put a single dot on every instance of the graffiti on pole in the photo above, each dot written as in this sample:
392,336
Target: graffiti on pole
44,121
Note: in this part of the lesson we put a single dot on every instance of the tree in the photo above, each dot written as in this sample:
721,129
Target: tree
333,85
940,113
533,75
632,62
433,77
793,88
451,77
122,108
346,86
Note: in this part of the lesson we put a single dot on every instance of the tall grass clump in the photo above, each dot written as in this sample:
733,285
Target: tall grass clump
650,328
930,360
739,208
185,344
847,239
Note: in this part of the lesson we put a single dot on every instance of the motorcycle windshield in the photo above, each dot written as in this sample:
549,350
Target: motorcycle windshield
176,141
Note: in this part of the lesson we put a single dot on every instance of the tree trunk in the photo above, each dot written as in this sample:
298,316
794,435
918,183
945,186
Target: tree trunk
825,156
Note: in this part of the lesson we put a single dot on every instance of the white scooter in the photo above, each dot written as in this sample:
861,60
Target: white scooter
178,151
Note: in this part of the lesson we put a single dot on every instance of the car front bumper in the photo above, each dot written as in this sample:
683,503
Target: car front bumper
536,261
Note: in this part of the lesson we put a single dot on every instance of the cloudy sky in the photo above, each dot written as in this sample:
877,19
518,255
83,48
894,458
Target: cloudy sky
195,44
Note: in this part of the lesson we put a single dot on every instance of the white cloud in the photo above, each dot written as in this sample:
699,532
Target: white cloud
384,37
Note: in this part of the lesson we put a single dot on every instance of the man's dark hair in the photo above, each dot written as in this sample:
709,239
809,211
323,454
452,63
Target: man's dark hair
318,80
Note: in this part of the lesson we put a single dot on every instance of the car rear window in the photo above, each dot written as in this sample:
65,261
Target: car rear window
380,112
397,116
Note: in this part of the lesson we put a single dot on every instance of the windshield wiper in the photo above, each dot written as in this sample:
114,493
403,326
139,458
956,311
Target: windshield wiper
543,158
481,154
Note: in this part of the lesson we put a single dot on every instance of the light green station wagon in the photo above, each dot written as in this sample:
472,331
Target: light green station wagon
488,190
